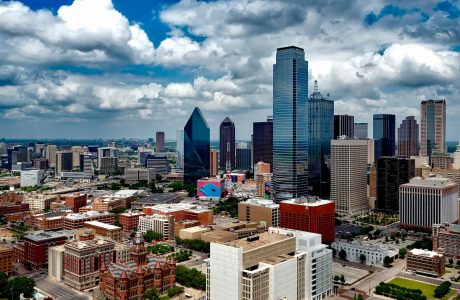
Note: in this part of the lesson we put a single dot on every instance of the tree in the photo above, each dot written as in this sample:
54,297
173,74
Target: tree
402,252
190,277
342,279
3,284
334,252
336,278
20,285
151,294
362,258
387,261
174,291
150,235
451,261
359,297
114,186
442,289
343,254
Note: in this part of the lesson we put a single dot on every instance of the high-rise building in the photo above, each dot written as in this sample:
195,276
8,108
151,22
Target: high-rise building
309,214
290,124
349,176
391,173
424,202
196,148
433,127
446,238
163,224
262,142
17,154
50,154
344,125
361,131
160,141
214,163
278,264
180,149
63,161
107,160
86,163
408,144
158,163
76,152
384,135
227,145
243,157
321,132
262,211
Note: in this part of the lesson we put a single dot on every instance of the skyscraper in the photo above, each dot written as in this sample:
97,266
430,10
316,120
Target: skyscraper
408,144
321,130
344,125
384,135
160,141
180,149
349,176
243,157
63,161
290,124
391,173
227,145
361,131
196,148
433,127
262,142
214,163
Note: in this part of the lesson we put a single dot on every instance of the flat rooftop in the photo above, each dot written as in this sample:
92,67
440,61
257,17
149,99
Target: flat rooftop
43,236
86,215
265,239
426,253
261,202
103,225
310,201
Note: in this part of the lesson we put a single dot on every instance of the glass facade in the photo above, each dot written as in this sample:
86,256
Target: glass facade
196,148
290,124
227,145
321,132
384,135
262,139
408,144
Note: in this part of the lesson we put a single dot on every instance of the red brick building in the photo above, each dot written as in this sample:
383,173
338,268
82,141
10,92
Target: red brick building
130,280
49,221
75,201
7,208
130,219
35,247
75,221
6,260
309,214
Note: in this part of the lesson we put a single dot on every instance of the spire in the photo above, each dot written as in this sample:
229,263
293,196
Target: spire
315,88
123,275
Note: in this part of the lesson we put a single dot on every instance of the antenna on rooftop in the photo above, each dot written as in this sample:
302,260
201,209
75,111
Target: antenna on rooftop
315,88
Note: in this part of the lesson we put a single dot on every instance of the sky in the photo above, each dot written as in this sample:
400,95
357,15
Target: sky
117,68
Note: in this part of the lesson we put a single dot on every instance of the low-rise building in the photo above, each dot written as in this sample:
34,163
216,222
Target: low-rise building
163,224
374,253
32,177
49,221
56,262
129,219
107,204
261,211
446,239
426,262
106,230
8,208
6,260
75,201
121,253
74,221
155,199
194,233
38,202
134,175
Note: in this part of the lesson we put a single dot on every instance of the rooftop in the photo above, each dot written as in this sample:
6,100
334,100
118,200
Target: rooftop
167,208
88,244
308,201
103,225
86,215
265,239
426,253
261,202
43,236
132,213
435,182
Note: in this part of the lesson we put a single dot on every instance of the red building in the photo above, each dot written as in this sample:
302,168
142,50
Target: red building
309,214
35,247
7,208
130,219
75,221
130,280
75,201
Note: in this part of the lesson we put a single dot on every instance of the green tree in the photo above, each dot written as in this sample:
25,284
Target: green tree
402,252
190,277
174,291
151,294
362,258
359,297
442,289
114,186
336,278
3,284
387,261
150,235
451,261
20,285
342,279
343,254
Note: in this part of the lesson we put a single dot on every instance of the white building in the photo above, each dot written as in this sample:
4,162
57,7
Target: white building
374,253
157,223
278,264
349,160
424,202
32,177
38,202
56,262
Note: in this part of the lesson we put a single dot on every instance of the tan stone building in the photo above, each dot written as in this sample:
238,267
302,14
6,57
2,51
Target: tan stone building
265,212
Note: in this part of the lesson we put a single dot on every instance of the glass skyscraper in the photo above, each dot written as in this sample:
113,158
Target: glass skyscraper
433,127
262,142
180,149
290,124
384,135
196,148
227,144
321,130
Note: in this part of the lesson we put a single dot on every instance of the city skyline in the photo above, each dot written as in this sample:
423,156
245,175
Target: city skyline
158,65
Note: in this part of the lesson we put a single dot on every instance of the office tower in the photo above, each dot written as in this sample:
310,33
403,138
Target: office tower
349,176
17,154
391,173
227,145
290,124
384,135
408,144
106,152
278,264
50,154
309,214
344,125
3,148
158,163
433,127
86,163
63,162
214,163
361,131
321,130
196,148
440,160
76,151
180,149
108,165
262,211
243,157
262,142
424,202
160,141
447,238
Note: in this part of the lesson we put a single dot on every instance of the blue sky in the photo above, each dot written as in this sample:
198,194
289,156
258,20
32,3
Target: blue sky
110,69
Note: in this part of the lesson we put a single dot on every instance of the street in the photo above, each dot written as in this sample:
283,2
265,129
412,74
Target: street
370,282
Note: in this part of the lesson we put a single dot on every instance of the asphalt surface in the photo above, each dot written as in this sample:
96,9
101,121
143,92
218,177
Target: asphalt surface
59,291
382,274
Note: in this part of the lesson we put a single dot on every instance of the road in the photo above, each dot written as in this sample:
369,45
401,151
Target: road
373,280
58,291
